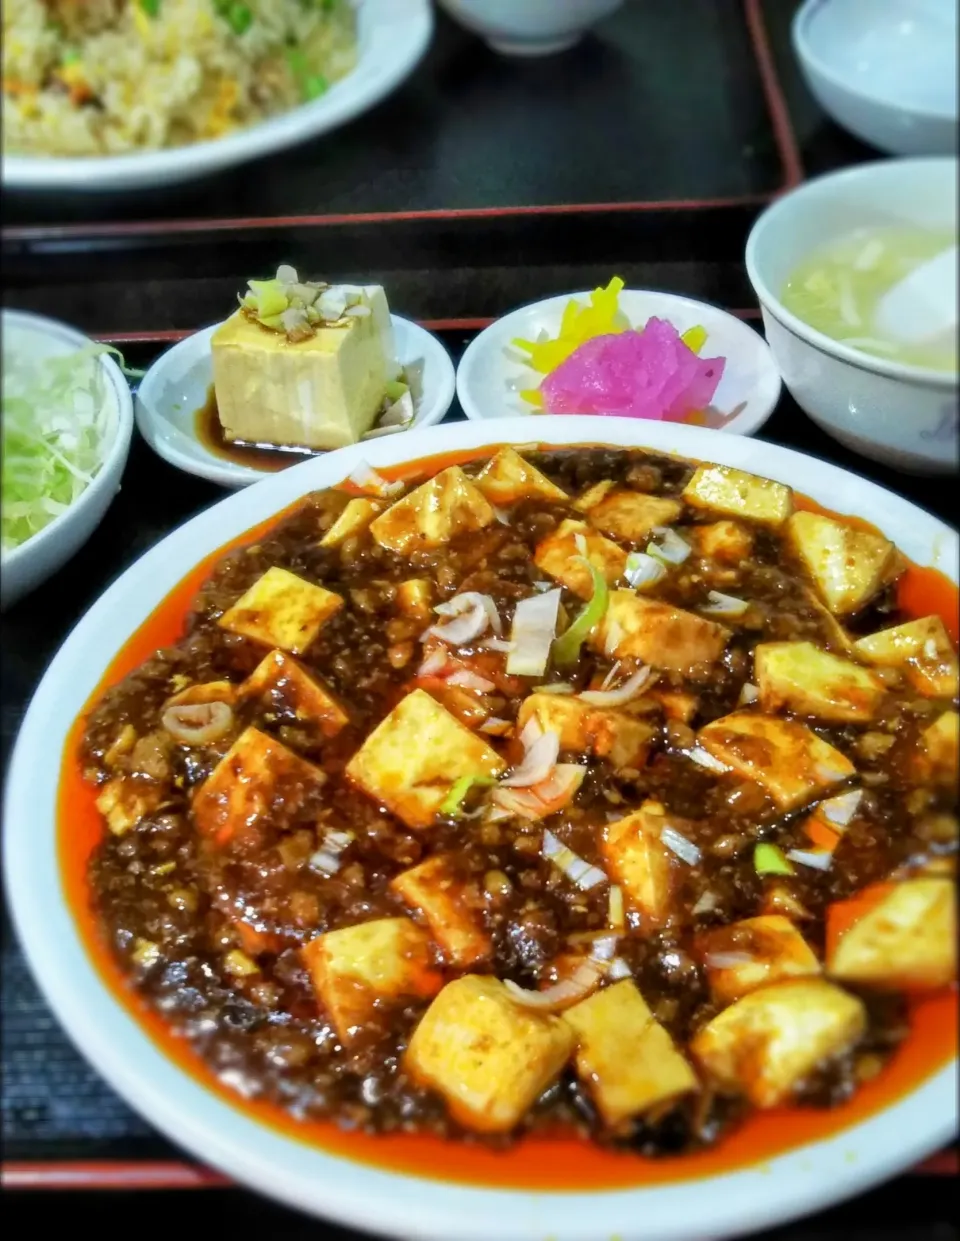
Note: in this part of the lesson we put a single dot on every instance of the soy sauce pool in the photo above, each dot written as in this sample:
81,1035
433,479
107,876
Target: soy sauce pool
209,431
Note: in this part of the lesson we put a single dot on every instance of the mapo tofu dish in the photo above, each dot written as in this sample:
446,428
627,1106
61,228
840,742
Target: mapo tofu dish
584,790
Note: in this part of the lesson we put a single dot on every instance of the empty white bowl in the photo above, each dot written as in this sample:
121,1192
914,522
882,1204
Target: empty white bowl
40,556
886,70
492,372
529,27
905,416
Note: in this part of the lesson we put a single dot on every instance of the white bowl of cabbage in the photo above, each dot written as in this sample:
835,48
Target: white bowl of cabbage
67,418
821,260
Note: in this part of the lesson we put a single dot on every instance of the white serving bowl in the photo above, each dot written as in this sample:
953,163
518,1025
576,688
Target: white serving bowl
886,70
392,37
905,416
40,556
492,372
315,1180
529,27
176,387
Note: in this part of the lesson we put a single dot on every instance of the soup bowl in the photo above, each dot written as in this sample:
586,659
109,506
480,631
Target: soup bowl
904,416
568,1191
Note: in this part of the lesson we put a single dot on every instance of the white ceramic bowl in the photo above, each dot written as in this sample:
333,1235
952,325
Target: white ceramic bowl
529,27
177,384
492,372
886,70
356,1194
393,35
40,556
904,416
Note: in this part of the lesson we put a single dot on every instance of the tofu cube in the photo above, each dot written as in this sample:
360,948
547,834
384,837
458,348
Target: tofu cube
676,704
281,609
729,542
432,514
734,493
415,598
412,759
631,515
784,757
593,495
559,556
359,968
638,860
488,1057
658,633
284,684
806,680
623,740
773,950
907,941
507,479
439,895
257,781
938,759
922,648
847,565
124,801
323,392
767,1043
626,1058
356,516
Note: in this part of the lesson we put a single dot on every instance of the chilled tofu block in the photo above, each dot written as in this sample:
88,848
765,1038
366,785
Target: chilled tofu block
488,1057
752,953
658,633
125,800
922,648
507,479
767,1043
412,759
907,941
415,598
435,891
626,1058
734,493
257,780
432,514
281,609
622,739
323,392
631,515
937,760
284,684
806,680
360,968
638,860
559,556
784,757
356,516
847,565
730,542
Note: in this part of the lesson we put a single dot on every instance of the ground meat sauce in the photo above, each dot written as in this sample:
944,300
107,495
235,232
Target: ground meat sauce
210,934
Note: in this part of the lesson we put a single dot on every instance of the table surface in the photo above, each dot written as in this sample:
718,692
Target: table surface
658,184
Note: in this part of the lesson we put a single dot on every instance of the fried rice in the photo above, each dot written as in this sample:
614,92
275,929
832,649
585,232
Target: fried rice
103,77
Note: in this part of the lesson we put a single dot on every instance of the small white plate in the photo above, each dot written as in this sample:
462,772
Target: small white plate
886,71
392,36
176,387
492,371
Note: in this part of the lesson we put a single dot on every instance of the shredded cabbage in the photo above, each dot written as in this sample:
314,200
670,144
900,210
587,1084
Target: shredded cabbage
56,429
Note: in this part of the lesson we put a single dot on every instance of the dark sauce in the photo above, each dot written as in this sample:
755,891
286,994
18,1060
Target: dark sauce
209,431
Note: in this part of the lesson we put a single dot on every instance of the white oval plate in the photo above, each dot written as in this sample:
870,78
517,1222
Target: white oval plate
176,387
392,37
492,371
314,1180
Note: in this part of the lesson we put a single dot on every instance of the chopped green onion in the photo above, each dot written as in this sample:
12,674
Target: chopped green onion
150,7
240,18
454,799
315,86
566,649
395,389
770,860
70,57
271,299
